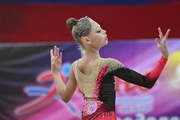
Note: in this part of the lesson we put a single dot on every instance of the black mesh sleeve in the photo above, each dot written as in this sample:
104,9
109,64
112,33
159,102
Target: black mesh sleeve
133,77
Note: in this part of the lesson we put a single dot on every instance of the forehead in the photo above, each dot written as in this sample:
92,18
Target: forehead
94,24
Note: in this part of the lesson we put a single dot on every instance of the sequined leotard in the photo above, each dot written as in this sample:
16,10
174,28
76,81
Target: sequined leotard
98,89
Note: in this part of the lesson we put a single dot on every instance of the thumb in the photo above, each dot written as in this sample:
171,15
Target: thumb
158,42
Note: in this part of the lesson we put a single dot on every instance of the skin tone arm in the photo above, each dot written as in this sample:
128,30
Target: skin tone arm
161,43
67,91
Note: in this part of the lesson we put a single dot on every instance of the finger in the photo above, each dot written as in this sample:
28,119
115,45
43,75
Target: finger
55,51
60,56
158,42
167,33
56,60
51,52
165,37
53,61
160,33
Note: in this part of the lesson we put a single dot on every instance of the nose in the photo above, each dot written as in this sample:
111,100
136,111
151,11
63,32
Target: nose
104,31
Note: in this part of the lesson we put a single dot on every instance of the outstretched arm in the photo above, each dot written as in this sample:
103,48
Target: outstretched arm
162,45
148,80
67,91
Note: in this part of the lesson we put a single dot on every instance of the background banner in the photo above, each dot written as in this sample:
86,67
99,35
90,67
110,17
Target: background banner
27,90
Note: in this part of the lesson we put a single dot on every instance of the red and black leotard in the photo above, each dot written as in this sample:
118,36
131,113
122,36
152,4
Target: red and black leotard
99,88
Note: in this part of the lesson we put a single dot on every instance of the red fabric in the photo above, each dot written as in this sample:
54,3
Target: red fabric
156,71
98,81
107,116
102,116
96,105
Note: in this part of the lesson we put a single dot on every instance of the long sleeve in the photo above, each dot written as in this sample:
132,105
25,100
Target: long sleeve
143,80
156,71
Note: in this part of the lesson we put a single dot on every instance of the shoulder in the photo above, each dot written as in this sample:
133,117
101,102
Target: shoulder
73,69
111,62
74,64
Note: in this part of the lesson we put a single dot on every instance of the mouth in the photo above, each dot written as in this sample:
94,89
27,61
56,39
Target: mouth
106,38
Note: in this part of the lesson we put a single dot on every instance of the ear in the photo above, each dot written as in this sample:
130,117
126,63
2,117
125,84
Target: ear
85,40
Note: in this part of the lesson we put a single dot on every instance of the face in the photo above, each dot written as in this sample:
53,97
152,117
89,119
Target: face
97,36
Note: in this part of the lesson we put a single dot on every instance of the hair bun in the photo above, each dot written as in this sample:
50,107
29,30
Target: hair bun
71,22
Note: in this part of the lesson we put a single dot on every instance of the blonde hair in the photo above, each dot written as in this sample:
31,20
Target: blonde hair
79,28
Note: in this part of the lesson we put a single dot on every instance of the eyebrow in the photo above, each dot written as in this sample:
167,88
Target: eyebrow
98,27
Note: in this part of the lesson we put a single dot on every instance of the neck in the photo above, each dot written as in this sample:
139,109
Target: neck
91,56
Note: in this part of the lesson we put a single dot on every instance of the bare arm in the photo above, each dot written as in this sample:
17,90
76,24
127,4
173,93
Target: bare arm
67,91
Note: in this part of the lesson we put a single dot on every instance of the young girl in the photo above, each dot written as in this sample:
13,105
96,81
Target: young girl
95,75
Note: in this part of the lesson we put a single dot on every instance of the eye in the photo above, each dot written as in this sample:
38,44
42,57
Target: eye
99,31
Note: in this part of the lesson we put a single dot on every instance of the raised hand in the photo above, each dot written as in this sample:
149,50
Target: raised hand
56,60
162,44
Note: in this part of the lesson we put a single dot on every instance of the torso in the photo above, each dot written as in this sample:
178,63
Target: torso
87,67
87,76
